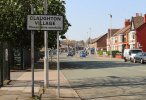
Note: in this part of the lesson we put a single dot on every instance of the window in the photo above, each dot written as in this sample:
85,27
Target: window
132,36
121,37
124,39
120,48
135,51
113,40
133,45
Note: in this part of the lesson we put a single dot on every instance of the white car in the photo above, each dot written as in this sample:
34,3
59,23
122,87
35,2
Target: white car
129,54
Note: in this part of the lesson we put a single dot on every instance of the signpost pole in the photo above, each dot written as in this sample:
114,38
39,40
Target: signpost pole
32,53
44,22
58,66
46,48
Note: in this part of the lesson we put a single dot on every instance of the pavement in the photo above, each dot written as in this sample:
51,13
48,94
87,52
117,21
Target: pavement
19,88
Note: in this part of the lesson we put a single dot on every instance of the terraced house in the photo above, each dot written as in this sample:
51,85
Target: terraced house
119,40
132,35
141,35
136,22
110,39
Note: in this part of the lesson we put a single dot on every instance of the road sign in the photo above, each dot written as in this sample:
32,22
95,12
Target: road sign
44,22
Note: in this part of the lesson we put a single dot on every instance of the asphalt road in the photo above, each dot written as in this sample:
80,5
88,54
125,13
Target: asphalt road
96,78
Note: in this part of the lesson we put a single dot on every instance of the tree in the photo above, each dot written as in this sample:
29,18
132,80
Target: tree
13,22
13,18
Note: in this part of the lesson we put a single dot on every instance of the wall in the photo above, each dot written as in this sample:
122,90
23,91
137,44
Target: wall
141,36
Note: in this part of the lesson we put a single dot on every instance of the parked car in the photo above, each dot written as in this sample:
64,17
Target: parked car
70,54
129,54
140,57
83,54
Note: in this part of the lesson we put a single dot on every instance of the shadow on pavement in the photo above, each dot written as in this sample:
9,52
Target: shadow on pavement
107,82
110,88
95,64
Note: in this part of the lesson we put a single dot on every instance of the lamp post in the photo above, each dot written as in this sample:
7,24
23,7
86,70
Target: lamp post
110,47
67,45
75,48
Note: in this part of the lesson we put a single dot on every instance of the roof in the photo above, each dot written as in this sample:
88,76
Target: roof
123,30
113,31
96,39
141,26
138,21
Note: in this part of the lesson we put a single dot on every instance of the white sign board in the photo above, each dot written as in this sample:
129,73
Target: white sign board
44,22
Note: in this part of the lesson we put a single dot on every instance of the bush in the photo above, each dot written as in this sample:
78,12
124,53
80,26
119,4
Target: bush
114,53
100,52
108,52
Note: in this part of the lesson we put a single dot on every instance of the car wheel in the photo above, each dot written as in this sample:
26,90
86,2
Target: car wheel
131,60
125,59
141,61
134,60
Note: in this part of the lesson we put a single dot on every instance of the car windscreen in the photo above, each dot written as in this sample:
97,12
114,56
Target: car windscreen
135,51
144,54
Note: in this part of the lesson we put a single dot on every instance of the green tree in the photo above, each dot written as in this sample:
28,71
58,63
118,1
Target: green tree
13,22
13,18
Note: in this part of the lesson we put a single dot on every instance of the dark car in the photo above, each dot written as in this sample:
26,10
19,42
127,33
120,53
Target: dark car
140,57
83,54
70,54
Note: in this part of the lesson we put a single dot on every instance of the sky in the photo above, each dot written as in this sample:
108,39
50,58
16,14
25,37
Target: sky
90,18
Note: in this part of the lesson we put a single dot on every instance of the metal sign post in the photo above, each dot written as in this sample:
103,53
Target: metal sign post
45,23
46,49
32,53
58,66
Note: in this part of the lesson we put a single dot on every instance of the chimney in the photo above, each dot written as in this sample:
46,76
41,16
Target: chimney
127,22
144,18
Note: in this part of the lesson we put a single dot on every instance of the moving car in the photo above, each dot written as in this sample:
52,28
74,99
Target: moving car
83,54
129,54
140,57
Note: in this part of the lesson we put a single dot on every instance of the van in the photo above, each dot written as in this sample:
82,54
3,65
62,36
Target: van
129,54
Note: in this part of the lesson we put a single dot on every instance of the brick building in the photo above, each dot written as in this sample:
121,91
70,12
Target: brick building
141,35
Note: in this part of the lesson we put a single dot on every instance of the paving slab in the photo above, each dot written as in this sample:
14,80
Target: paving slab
66,92
2,92
13,92
9,97
20,88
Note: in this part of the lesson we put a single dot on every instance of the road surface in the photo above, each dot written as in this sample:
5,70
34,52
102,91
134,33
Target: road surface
97,78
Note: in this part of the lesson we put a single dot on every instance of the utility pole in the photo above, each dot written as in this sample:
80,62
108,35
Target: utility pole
110,47
46,48
32,53
75,48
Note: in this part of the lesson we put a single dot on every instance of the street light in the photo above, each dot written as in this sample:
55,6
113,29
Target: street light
109,40
89,40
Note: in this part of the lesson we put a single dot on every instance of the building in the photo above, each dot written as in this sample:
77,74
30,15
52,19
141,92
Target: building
130,36
141,35
119,41
109,38
99,43
136,22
